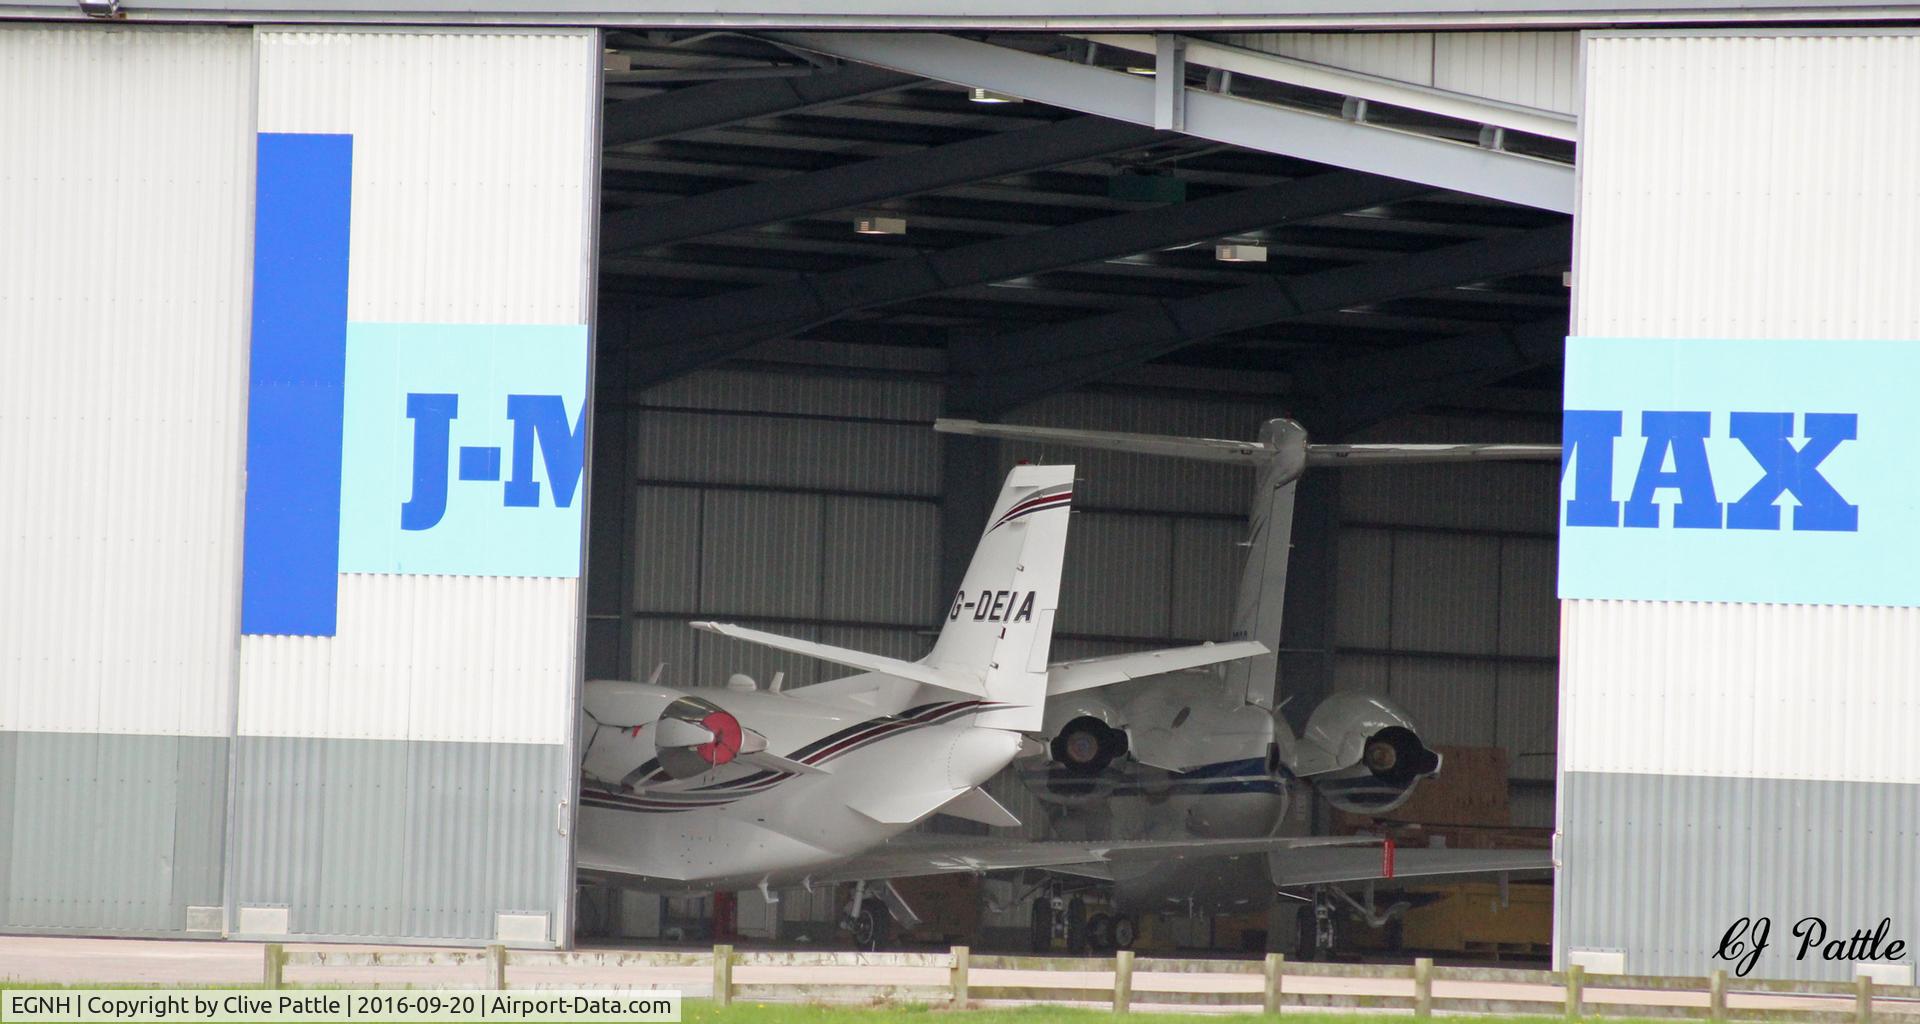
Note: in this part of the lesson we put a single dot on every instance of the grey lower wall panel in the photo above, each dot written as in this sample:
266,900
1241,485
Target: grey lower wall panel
398,839
1659,866
109,834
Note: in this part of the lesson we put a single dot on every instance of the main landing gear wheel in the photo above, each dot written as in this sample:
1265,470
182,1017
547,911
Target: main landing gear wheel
1100,932
1040,924
1076,926
1126,931
870,925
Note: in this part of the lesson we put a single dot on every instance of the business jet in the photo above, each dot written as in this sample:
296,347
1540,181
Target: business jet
742,787
1202,754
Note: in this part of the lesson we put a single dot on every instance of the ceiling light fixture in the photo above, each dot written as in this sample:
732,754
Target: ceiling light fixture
979,95
880,225
1240,252
1143,70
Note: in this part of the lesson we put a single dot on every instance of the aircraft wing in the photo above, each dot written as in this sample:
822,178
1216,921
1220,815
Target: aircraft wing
923,854
1320,866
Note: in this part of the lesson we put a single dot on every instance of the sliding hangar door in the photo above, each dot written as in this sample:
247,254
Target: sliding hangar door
297,325
1738,654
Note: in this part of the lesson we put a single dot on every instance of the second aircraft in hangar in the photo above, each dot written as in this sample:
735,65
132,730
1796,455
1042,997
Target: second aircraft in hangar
1208,756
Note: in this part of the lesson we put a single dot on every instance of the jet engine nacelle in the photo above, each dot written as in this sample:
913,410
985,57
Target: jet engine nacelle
628,725
1363,754
694,736
1085,735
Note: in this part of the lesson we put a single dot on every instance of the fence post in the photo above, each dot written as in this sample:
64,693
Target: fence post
723,975
1863,999
272,962
1576,982
1423,987
1276,969
1122,980
1717,995
959,975
496,967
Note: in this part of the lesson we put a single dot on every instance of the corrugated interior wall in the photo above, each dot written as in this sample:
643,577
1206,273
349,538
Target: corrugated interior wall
1444,599
408,776
1703,736
124,207
1529,69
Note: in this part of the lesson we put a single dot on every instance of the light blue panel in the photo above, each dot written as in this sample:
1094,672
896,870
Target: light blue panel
463,449
1856,542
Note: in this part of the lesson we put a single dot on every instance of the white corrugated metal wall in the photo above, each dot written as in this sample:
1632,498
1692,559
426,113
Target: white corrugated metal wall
408,776
124,191
1727,760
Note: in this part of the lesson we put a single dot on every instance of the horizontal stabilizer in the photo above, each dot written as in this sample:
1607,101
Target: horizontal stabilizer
1204,448
1253,453
861,660
978,805
1402,454
904,808
1072,676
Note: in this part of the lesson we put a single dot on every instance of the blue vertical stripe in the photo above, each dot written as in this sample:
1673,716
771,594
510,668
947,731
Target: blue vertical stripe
303,199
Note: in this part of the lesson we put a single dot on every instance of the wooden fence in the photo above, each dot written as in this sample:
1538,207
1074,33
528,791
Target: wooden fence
1124,981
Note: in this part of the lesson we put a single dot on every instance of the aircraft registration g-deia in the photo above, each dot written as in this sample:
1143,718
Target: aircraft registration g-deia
1207,755
734,788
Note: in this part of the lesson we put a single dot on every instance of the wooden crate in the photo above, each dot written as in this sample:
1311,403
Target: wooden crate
948,905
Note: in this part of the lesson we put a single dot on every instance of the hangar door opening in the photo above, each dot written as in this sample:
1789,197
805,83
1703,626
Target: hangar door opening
814,245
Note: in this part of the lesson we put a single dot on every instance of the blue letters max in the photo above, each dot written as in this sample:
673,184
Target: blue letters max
539,421
1680,437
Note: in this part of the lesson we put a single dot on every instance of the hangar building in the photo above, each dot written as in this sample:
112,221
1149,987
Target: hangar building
641,313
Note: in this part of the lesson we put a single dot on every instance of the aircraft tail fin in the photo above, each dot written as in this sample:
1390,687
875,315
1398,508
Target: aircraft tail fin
999,626
1280,455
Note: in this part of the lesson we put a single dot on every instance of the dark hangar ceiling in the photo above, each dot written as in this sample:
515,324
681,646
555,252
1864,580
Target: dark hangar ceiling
1044,249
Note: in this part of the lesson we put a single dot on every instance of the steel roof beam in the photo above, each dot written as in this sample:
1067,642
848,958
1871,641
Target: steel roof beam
719,104
1014,369
870,181
1223,118
1344,82
688,335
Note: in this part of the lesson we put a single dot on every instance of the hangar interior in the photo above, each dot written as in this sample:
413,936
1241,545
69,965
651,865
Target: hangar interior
805,259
